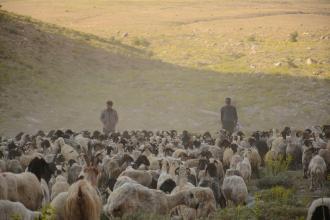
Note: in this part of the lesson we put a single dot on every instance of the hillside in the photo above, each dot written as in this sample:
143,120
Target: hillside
245,36
54,77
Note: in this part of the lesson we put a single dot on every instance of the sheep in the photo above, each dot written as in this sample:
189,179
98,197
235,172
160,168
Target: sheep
23,187
45,192
13,210
261,144
232,172
325,154
3,166
234,189
254,158
216,152
180,154
60,185
319,209
58,203
206,203
317,169
190,163
293,150
41,169
165,182
141,163
122,180
13,166
25,159
227,155
67,151
131,198
82,202
244,167
279,146
73,172
308,152
234,161
141,176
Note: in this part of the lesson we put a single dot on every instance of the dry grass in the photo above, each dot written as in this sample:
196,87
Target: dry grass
212,35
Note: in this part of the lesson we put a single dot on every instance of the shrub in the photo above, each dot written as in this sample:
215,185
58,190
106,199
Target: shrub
291,63
276,194
293,37
140,41
15,217
48,213
251,38
274,167
239,212
271,181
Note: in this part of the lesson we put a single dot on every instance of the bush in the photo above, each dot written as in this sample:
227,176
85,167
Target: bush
48,213
140,41
239,212
293,37
271,181
276,194
251,38
274,167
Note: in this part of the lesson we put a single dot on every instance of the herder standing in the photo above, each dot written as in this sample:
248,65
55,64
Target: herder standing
109,118
228,116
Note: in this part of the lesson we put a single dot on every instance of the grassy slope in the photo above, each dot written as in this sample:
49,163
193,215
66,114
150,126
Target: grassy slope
246,36
54,77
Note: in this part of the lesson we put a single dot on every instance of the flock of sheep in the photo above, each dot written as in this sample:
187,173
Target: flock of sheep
186,176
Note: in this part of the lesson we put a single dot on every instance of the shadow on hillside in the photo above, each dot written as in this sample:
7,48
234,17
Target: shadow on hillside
50,80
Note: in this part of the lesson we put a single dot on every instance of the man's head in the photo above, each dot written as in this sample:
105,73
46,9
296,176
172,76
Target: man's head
109,104
228,101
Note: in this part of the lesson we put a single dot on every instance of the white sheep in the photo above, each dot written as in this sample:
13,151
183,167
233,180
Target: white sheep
234,161
10,210
23,187
244,167
227,155
68,152
317,170
122,180
234,189
141,176
325,154
206,203
60,185
58,203
255,160
45,192
131,198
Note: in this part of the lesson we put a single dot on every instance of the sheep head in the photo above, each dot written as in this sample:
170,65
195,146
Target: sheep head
91,170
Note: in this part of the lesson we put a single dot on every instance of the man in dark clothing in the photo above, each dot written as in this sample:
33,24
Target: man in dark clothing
228,116
109,118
